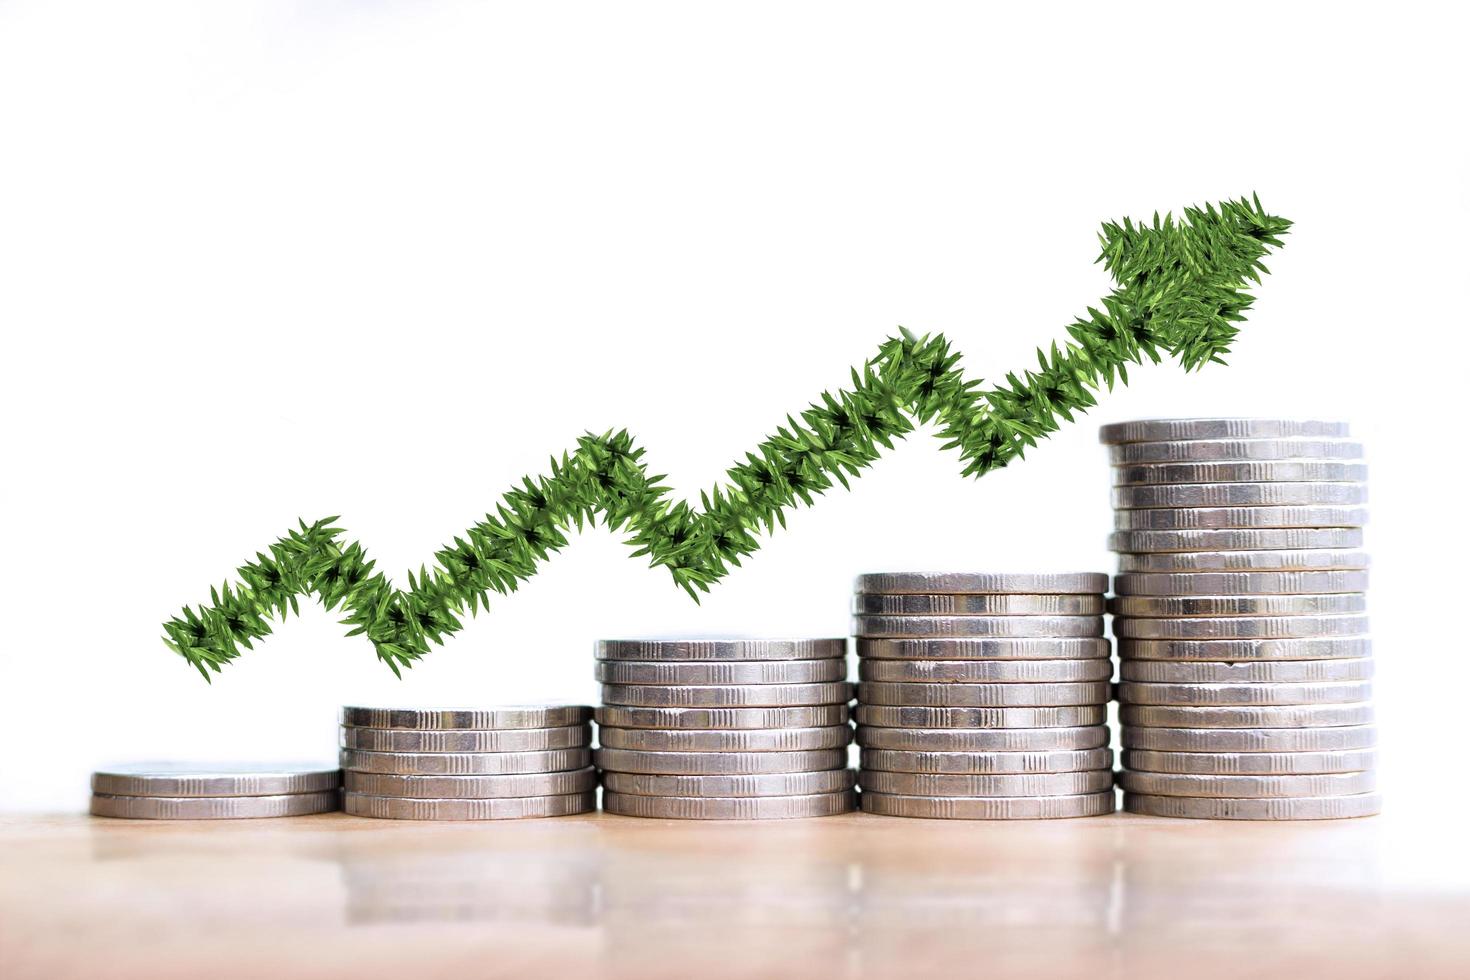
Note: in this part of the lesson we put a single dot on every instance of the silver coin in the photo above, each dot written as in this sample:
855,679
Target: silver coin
1232,450
1250,716
1301,808
1331,604
986,763
1248,787
984,739
514,808
1196,495
1240,583
508,740
720,673
993,808
1033,583
718,763
909,716
747,740
986,671
975,604
214,807
726,695
1247,672
1309,648
1263,471
803,716
1341,692
466,763
730,808
963,784
1237,539
1022,626
1204,518
1269,740
479,719
973,648
763,784
480,787
1173,430
216,779
984,695
1239,627
1321,559
1250,763
717,649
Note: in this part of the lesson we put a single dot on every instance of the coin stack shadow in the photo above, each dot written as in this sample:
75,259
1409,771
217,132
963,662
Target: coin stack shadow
724,729
1246,671
498,763
230,791
983,696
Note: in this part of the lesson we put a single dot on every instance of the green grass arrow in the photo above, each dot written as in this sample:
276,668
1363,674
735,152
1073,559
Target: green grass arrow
1180,292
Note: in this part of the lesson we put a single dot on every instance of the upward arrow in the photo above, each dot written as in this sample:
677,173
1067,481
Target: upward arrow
1181,292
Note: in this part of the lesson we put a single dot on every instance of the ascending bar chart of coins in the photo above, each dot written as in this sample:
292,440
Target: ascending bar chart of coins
677,491
1076,735
1243,680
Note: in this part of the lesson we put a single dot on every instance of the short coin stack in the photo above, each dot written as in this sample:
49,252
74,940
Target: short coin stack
724,729
231,791
983,696
1239,614
468,763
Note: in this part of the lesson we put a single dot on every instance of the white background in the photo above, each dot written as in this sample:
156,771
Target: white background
269,261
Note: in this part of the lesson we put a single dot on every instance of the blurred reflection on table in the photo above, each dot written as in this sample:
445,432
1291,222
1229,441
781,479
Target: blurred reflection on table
848,896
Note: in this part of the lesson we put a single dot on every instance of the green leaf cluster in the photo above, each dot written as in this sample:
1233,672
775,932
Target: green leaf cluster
1180,293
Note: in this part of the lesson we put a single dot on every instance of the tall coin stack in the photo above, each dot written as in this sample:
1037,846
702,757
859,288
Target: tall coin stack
724,729
468,763
232,791
1239,614
983,696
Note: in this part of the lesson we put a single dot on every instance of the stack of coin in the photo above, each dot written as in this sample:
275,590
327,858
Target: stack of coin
1239,615
724,729
231,791
468,763
983,695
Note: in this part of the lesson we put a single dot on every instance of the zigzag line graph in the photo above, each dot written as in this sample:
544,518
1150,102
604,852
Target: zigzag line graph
1180,292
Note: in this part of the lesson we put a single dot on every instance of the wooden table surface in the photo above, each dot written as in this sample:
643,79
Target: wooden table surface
850,896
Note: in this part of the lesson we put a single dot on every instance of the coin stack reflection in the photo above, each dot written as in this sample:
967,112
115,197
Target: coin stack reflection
229,791
494,881
724,729
1239,612
496,763
983,695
